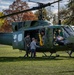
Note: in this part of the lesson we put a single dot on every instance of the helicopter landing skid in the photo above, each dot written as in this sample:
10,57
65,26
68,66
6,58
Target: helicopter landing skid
70,53
50,55
44,54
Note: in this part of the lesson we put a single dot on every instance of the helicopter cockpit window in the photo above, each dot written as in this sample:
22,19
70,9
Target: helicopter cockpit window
20,24
16,28
34,23
65,33
68,30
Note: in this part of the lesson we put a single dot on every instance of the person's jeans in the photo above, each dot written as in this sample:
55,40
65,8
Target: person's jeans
33,52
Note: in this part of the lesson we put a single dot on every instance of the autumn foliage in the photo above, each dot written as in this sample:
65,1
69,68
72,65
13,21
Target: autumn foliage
29,16
16,6
1,20
6,27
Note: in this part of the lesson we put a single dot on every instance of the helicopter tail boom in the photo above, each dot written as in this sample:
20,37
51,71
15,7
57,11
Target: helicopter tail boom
6,38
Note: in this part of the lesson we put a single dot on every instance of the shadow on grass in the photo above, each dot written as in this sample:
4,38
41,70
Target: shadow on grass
67,57
66,71
14,59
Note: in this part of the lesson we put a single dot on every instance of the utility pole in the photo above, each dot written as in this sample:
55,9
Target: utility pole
59,21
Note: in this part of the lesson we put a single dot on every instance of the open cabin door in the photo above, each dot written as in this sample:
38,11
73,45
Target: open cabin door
49,37
18,40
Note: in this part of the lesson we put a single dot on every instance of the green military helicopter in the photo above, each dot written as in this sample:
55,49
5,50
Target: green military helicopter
34,28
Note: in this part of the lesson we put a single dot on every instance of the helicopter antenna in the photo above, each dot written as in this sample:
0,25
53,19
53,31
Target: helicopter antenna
34,8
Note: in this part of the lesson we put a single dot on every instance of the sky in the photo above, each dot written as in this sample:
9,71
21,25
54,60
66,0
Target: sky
4,4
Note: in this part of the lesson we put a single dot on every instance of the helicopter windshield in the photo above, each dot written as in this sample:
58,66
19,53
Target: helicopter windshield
68,31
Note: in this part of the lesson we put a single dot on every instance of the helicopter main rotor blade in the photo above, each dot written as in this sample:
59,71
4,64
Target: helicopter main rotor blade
34,8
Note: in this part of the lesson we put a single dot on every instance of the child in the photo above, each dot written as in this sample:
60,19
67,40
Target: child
33,47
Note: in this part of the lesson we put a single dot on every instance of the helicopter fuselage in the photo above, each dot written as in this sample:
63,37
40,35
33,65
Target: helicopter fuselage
16,38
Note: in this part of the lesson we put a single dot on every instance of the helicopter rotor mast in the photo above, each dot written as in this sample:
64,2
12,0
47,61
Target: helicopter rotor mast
40,16
34,8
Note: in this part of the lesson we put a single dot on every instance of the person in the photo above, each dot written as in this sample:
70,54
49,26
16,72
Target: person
27,44
42,38
60,32
33,47
60,40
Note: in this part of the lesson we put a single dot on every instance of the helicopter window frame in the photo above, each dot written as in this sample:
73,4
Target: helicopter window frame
68,29
20,25
65,33
68,32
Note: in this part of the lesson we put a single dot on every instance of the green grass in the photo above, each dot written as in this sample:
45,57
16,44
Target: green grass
13,63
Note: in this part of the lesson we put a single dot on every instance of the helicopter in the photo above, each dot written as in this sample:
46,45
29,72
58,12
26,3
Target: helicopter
34,28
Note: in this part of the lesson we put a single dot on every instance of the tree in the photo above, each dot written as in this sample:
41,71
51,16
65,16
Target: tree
6,27
17,6
44,14
1,20
55,21
71,12
67,14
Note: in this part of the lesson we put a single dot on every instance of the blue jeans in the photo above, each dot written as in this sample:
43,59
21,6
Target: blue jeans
33,52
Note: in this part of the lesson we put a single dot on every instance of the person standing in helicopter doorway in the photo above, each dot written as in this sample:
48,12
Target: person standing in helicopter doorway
43,37
27,41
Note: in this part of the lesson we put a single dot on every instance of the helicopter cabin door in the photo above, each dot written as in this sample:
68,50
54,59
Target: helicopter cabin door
18,40
49,37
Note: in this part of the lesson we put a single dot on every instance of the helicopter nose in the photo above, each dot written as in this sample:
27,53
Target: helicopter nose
71,39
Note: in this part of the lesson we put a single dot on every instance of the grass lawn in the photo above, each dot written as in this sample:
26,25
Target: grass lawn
13,63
